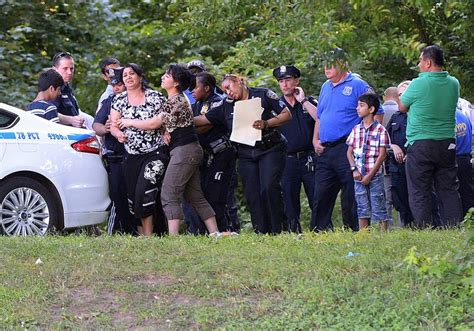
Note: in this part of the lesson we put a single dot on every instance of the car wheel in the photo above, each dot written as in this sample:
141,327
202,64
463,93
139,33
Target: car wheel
27,207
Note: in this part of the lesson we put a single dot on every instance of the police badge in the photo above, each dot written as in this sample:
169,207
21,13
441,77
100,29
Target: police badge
347,90
204,109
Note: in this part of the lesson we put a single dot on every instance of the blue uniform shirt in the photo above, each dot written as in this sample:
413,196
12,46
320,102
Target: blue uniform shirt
111,143
463,134
202,107
67,103
397,130
223,112
337,107
299,130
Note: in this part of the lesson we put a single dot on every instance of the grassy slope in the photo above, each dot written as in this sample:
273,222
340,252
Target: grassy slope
243,282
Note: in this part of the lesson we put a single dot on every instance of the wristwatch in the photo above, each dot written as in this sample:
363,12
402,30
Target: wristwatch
353,168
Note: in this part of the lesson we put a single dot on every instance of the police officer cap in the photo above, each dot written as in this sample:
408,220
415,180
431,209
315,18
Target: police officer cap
196,64
286,72
115,75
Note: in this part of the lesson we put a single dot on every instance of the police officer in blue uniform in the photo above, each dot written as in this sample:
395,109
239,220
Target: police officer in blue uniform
300,158
120,219
260,166
218,163
396,128
463,160
68,108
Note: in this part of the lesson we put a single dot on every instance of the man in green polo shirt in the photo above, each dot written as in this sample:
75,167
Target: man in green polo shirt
430,101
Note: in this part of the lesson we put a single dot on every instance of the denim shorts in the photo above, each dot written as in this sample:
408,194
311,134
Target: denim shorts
371,199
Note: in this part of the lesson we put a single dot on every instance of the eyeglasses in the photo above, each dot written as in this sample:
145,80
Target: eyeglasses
59,55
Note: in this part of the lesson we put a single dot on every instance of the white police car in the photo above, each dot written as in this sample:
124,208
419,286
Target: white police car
51,175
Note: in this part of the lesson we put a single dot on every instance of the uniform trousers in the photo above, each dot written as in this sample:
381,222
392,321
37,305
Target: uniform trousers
299,169
261,170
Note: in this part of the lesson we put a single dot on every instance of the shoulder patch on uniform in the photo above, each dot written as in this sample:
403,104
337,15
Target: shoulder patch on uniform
216,104
272,95
370,90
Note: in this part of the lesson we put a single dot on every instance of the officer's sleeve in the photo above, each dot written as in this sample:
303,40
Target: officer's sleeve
389,126
102,115
216,115
274,101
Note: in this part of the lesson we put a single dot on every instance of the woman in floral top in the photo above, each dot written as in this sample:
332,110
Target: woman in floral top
182,176
147,154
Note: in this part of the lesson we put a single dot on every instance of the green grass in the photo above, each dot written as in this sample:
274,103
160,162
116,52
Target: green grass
244,282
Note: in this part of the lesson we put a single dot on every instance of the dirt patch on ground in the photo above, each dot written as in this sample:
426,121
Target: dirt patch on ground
141,307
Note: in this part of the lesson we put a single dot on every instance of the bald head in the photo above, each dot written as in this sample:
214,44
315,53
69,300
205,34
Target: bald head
390,93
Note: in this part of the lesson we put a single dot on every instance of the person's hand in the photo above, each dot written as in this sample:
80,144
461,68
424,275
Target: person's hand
260,124
299,94
365,180
318,148
121,137
398,153
77,121
167,137
107,125
357,175
124,123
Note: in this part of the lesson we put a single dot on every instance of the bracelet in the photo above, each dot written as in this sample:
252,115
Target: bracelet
265,125
304,100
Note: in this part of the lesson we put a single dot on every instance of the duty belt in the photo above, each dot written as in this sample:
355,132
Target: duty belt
300,154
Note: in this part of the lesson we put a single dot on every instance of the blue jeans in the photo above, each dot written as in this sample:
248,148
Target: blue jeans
371,199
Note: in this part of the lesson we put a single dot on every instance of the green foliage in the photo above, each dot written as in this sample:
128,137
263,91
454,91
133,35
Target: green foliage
249,37
451,273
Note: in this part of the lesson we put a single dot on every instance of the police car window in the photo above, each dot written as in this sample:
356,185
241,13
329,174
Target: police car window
7,119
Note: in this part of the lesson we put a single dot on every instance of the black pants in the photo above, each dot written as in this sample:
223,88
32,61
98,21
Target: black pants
466,190
333,173
400,195
121,220
261,171
216,174
433,163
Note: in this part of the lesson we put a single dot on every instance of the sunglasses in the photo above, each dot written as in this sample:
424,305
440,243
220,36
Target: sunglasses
59,55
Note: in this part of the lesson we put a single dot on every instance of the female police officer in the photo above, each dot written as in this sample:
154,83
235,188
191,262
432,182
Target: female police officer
260,166
218,164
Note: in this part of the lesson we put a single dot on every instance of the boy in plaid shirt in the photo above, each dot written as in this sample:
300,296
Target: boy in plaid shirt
368,143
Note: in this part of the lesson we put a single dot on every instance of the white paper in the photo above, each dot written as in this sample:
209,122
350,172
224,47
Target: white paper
246,112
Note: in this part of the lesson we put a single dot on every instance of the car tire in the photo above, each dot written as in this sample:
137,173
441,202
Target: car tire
27,207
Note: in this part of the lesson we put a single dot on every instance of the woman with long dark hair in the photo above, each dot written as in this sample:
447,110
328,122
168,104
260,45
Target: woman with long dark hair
182,175
147,153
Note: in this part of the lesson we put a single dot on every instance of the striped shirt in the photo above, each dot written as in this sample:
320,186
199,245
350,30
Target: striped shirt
366,144
44,109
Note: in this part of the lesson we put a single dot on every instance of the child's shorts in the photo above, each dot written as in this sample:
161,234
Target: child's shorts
371,199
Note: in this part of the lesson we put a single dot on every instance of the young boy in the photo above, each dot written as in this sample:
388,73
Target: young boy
49,88
368,143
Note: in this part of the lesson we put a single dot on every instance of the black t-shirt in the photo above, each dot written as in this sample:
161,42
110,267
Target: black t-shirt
111,143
